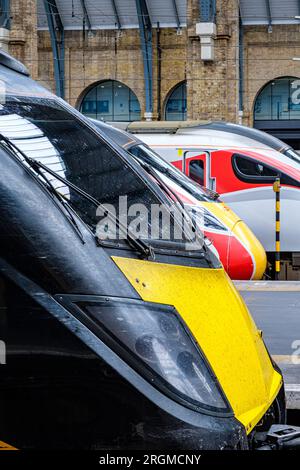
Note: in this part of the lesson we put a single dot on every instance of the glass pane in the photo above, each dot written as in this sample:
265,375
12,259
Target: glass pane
176,104
197,171
121,102
82,158
294,99
111,101
105,101
263,105
254,168
279,100
89,105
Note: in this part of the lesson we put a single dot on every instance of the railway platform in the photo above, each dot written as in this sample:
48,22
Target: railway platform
275,307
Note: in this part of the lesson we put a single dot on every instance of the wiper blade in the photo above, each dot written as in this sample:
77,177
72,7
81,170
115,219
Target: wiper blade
138,244
62,200
15,150
169,191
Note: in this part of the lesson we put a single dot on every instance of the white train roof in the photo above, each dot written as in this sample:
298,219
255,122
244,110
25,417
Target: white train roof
207,139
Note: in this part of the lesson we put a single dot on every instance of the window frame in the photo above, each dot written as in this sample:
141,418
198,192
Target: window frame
260,179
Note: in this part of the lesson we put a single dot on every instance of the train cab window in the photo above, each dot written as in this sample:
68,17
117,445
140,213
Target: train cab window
253,171
252,168
196,171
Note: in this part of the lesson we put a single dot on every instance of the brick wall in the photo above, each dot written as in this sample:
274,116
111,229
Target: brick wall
113,55
212,88
23,34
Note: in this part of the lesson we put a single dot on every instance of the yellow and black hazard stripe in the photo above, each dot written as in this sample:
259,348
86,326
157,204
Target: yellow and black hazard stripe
276,188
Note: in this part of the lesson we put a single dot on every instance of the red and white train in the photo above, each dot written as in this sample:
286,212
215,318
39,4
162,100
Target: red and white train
240,164
241,253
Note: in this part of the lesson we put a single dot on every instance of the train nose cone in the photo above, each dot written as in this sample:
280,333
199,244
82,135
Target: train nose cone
246,255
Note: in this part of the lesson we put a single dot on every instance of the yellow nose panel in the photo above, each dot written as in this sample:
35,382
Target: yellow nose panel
219,320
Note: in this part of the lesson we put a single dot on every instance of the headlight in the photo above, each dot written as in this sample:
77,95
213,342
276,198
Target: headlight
153,340
206,220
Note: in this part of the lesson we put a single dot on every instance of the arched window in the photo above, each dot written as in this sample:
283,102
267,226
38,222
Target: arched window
111,101
176,104
279,100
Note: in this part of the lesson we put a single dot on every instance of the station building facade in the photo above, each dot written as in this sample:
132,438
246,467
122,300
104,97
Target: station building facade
231,60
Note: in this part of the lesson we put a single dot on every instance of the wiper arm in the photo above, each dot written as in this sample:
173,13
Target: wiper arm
169,191
138,244
51,188
62,200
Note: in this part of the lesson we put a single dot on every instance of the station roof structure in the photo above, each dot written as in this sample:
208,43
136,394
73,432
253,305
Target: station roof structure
122,14
114,14
255,12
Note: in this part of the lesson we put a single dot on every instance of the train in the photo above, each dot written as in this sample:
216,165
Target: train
119,342
226,158
240,252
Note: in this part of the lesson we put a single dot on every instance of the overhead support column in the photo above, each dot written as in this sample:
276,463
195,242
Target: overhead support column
56,30
117,18
207,29
176,15
86,15
4,24
268,7
145,28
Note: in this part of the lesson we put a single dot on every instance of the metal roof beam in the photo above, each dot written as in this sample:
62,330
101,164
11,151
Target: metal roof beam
117,17
176,14
268,7
145,28
85,14
56,30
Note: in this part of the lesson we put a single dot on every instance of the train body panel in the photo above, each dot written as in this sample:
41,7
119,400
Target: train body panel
104,350
243,177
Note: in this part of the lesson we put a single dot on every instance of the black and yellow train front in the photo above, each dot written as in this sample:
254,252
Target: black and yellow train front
107,343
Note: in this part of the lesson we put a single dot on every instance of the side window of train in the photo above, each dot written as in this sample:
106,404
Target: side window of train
196,171
253,171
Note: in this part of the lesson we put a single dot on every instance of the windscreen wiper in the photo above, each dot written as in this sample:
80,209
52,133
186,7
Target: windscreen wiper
142,247
51,188
171,193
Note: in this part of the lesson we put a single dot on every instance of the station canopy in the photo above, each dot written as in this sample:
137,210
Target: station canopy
255,12
122,14
113,14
